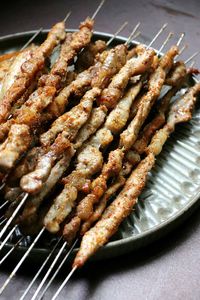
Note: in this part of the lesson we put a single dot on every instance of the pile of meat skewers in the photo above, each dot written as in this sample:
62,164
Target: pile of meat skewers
80,135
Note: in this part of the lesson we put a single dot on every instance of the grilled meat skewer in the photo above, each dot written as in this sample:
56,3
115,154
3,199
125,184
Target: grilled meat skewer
121,207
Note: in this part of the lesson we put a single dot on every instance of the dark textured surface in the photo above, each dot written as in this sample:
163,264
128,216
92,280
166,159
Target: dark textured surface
169,268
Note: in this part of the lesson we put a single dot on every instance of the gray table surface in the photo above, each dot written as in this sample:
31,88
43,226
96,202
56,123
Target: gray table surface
168,268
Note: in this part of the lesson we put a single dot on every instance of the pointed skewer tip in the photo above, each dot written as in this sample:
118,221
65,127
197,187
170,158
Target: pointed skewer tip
98,9
64,283
67,16
116,33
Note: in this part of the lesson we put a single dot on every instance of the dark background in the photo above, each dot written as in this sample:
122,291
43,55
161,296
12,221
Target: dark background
168,268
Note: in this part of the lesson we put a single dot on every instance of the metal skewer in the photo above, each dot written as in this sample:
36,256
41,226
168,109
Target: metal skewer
116,33
132,34
180,39
7,237
58,269
49,271
21,261
11,250
157,35
67,16
73,270
63,283
170,35
98,9
4,204
192,56
63,261
31,39
40,270
14,214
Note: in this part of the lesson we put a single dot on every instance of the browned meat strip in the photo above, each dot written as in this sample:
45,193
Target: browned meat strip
108,64
72,120
134,66
30,68
129,136
18,140
176,74
32,182
181,111
118,210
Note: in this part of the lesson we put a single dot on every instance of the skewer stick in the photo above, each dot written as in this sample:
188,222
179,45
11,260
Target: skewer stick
3,185
58,269
132,34
98,9
67,16
192,64
4,204
3,221
7,237
180,39
31,39
116,33
11,250
40,270
14,214
170,35
49,271
63,283
192,56
183,49
157,35
21,261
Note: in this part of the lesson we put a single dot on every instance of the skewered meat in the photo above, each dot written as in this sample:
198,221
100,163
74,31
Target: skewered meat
15,69
30,211
177,72
32,182
108,63
101,139
134,66
120,181
30,68
87,57
89,161
181,111
18,140
72,120
129,136
118,210
84,210
94,122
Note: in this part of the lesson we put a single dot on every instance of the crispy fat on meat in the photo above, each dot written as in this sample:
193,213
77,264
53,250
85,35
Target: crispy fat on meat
30,68
118,210
72,120
17,142
133,66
